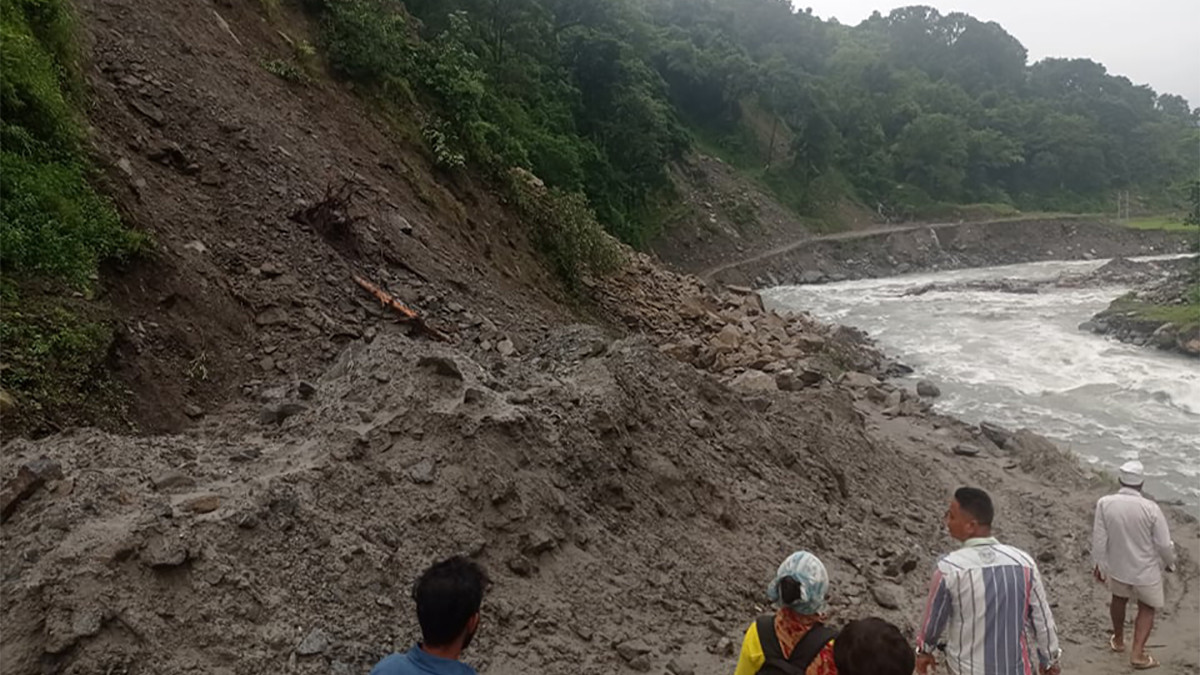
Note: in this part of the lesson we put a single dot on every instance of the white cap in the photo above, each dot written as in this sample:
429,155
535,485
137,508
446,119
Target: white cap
1132,474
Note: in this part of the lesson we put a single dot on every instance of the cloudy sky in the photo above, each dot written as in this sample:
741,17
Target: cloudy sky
1155,42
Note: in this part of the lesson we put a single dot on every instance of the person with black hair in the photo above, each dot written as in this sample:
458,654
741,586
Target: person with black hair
872,646
793,639
983,598
448,596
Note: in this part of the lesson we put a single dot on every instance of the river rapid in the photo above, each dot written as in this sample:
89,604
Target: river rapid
1020,360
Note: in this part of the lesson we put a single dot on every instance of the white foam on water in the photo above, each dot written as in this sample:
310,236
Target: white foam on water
1020,360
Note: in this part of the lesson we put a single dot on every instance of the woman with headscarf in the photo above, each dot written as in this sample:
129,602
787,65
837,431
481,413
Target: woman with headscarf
793,639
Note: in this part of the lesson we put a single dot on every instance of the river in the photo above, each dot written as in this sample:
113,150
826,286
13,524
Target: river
1019,360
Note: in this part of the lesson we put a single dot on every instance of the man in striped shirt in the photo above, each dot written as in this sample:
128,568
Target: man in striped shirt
984,601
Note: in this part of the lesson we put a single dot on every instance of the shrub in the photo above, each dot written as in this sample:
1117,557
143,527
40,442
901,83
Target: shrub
564,229
52,223
286,70
366,41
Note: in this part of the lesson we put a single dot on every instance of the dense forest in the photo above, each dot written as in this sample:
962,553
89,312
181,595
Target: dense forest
902,113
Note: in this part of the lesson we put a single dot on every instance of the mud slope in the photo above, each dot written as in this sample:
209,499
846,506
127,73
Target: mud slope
217,158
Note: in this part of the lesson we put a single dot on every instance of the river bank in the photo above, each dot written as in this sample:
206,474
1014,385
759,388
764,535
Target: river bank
1163,312
894,251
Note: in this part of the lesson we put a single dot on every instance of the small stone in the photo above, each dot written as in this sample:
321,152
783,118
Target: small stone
631,649
201,504
506,347
859,380
520,565
995,433
306,389
675,668
641,663
754,380
271,317
724,647
125,166
197,246
172,479
888,596
540,541
31,476
314,643
423,472
928,389
270,270
164,552
276,413
1046,557
193,411
965,450
7,402
442,365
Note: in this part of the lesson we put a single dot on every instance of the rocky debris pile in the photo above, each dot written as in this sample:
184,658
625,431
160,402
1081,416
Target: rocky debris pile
731,331
284,540
1164,314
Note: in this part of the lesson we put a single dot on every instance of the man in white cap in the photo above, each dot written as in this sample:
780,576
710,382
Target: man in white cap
1131,547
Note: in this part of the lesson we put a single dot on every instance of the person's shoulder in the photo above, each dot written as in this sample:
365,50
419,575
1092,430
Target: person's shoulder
1019,555
395,664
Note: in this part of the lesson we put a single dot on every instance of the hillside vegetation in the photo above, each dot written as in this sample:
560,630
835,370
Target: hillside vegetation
55,230
911,114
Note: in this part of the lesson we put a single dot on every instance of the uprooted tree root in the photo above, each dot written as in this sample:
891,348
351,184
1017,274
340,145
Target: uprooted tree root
330,216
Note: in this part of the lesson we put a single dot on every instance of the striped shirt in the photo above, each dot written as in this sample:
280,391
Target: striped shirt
984,600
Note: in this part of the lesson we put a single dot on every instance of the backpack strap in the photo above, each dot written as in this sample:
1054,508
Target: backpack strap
772,651
811,645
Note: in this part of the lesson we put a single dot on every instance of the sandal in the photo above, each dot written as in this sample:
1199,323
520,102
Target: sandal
1149,663
1112,644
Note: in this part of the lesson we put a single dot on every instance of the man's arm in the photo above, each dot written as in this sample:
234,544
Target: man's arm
937,613
1162,539
1042,620
1100,542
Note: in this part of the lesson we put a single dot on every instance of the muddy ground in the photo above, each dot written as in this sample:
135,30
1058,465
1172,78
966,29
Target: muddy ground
630,467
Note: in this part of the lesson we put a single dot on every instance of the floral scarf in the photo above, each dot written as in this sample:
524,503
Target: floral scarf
791,627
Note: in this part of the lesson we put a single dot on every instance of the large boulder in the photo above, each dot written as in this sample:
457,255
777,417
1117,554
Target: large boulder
858,380
928,389
995,433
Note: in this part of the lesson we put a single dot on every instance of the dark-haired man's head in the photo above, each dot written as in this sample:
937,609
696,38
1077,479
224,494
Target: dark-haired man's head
448,597
872,647
970,514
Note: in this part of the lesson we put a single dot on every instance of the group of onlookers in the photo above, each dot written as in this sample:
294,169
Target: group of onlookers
987,613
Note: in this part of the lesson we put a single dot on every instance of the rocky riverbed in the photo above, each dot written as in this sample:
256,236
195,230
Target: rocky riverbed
1162,311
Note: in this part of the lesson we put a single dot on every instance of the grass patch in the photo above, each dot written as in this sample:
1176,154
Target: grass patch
55,350
1170,223
55,229
286,70
1184,314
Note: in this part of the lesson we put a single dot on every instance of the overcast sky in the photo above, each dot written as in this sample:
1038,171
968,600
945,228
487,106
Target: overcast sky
1155,42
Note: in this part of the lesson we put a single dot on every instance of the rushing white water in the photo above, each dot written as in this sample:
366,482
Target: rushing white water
1019,360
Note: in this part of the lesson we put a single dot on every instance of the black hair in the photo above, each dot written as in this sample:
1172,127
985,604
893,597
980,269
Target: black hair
790,590
448,594
872,647
977,503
